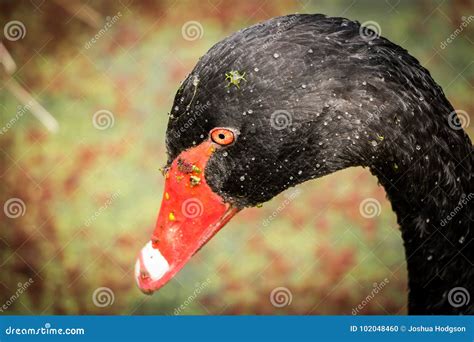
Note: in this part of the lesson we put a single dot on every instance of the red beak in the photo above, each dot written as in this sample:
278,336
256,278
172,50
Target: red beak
190,214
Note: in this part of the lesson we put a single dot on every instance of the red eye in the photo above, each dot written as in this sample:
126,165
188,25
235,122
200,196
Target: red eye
222,136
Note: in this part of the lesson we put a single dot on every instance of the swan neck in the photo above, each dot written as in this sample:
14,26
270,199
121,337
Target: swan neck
432,193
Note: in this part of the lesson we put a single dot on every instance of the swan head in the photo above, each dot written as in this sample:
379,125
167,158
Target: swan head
269,107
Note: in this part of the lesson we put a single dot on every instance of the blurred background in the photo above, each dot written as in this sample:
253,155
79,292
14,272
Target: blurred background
85,89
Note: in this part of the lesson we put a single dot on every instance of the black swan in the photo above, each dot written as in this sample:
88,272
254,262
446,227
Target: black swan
299,97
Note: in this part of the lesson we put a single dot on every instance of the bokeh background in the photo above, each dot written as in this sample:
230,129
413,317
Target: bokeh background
86,191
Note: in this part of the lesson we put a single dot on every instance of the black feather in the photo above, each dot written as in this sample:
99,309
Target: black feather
347,101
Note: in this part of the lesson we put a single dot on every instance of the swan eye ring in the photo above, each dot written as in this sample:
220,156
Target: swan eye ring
222,136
